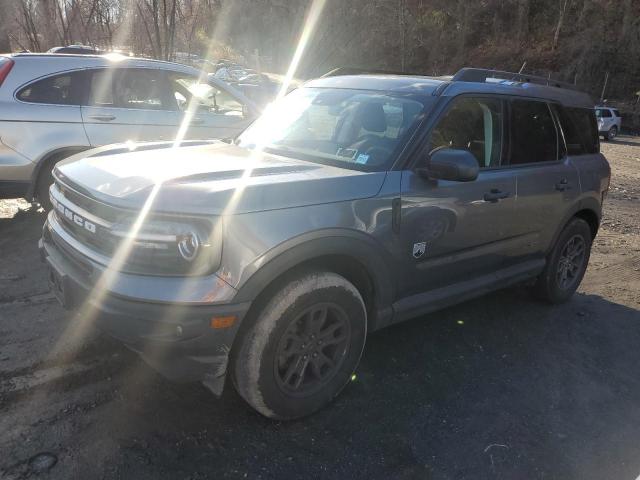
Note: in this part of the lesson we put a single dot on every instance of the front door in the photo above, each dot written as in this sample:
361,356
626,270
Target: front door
129,104
454,231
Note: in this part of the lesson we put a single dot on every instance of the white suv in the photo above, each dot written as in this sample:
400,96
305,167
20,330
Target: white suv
609,122
53,105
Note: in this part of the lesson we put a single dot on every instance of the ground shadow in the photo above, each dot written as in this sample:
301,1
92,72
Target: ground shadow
500,387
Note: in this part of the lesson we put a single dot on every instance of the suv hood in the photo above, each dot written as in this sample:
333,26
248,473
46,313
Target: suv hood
205,178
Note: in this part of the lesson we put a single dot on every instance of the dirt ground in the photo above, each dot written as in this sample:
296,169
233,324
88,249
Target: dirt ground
500,387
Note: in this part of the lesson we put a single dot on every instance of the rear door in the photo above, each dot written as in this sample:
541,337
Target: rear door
548,182
129,104
45,116
455,231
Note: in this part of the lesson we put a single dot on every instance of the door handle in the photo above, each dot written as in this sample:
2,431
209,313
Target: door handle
197,121
563,185
495,195
103,118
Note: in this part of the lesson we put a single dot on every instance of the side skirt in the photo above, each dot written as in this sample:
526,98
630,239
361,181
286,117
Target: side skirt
427,302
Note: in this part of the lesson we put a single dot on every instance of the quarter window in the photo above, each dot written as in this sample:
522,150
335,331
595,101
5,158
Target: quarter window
580,129
534,137
473,124
58,90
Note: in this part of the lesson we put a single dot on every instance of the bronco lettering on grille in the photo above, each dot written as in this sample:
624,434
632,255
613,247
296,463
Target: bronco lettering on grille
74,217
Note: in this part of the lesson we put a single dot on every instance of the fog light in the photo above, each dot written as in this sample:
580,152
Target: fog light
188,246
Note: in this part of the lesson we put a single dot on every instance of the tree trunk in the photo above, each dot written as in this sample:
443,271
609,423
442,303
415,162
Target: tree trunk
5,43
556,35
523,21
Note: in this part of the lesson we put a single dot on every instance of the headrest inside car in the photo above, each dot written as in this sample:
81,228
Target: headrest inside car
372,117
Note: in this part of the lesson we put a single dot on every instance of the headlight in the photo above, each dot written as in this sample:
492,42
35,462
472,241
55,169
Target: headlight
170,247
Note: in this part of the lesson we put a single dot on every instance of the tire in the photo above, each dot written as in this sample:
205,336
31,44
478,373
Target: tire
562,275
272,357
612,133
45,179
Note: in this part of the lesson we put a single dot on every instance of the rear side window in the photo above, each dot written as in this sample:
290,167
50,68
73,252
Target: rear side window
616,113
586,125
603,112
62,89
534,137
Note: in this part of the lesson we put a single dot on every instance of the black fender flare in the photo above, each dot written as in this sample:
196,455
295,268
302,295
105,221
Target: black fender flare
585,203
357,245
60,153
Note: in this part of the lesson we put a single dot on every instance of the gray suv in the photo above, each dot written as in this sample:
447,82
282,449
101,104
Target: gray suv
353,203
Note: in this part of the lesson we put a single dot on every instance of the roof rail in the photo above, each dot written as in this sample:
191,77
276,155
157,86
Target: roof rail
482,74
341,71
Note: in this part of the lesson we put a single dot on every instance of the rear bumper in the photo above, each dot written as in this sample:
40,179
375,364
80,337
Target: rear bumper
174,338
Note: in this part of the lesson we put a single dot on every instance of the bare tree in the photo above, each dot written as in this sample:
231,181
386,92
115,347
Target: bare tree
563,5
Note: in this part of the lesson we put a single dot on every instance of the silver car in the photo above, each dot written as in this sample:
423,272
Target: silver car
609,122
53,106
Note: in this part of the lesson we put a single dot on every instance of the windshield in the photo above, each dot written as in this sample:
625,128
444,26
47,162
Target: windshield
354,128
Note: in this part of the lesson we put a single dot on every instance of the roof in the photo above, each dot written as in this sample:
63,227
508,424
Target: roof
91,59
532,87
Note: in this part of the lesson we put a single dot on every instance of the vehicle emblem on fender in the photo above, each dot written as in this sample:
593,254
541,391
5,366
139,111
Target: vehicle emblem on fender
419,249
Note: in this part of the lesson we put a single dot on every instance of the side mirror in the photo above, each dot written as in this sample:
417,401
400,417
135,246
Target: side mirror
451,164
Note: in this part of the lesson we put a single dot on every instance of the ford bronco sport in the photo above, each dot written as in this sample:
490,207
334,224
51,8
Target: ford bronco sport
353,203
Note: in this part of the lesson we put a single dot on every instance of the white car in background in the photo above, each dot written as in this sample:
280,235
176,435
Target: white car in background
609,122
54,105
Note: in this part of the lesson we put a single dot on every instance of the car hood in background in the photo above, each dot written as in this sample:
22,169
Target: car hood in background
213,178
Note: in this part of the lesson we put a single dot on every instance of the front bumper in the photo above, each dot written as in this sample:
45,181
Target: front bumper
175,338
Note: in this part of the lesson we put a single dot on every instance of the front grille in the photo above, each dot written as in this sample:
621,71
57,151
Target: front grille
94,225
85,219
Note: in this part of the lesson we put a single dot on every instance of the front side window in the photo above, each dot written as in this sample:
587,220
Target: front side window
187,89
130,88
358,128
534,137
473,124
58,90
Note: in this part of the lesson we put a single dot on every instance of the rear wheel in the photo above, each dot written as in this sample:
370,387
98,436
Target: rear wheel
612,133
566,264
303,347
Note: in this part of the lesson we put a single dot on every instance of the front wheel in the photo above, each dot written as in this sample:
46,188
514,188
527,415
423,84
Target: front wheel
303,347
566,264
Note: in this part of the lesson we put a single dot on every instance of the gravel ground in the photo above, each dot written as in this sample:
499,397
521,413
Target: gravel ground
500,387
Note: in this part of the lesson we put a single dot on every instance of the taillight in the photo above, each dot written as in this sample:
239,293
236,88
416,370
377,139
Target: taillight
5,68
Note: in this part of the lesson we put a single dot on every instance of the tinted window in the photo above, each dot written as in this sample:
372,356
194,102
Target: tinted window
603,112
572,136
473,124
585,123
59,90
533,133
130,88
616,113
